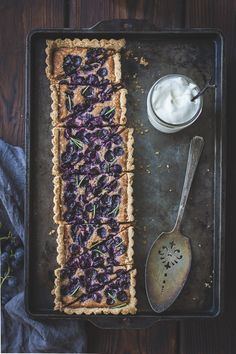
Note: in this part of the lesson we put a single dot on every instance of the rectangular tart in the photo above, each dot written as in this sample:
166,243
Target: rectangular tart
71,108
92,160
106,150
96,290
93,198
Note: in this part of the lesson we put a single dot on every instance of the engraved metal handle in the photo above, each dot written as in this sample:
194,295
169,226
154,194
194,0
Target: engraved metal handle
194,154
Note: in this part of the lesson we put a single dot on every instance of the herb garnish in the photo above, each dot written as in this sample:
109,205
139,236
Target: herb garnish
77,142
94,210
69,102
75,290
110,110
6,275
78,184
118,306
115,211
119,244
113,297
84,90
96,250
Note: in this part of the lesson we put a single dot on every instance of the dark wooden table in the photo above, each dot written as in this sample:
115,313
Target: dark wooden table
17,18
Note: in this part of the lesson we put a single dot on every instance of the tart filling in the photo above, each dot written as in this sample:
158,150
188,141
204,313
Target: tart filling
93,199
85,106
89,245
92,151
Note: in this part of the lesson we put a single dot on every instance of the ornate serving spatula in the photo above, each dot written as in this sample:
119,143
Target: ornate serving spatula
169,259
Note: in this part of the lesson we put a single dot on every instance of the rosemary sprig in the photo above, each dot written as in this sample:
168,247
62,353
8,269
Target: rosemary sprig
119,306
99,251
9,235
69,102
77,142
119,243
79,184
94,211
75,290
6,275
97,243
110,110
113,297
115,211
84,90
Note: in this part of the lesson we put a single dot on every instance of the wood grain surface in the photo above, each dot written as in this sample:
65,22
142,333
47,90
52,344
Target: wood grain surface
17,18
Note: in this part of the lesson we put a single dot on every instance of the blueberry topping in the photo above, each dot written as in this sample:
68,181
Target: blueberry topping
117,168
102,232
118,151
102,278
92,80
102,72
91,273
74,248
65,157
84,297
110,301
97,297
71,63
109,156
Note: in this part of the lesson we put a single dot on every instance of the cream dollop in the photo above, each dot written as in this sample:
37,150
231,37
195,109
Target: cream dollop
171,100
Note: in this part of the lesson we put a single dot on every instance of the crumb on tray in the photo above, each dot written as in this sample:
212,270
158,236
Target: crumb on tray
143,61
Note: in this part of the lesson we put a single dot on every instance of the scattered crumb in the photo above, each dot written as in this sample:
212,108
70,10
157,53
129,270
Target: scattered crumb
208,170
136,58
148,171
135,75
167,166
170,190
207,285
157,152
199,245
52,232
148,166
144,228
146,130
143,61
194,298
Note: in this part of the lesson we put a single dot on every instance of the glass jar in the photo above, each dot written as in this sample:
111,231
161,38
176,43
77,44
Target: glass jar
172,127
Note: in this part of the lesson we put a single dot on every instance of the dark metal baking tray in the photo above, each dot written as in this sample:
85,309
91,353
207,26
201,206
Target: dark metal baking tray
197,54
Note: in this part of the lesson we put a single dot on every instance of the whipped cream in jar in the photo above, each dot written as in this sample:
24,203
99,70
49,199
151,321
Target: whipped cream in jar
169,104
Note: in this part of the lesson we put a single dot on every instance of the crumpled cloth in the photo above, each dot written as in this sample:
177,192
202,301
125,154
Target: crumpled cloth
21,334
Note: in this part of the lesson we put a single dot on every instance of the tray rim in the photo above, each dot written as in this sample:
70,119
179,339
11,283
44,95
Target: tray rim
221,151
